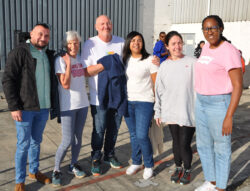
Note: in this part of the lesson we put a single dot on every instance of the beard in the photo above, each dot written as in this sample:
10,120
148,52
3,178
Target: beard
39,45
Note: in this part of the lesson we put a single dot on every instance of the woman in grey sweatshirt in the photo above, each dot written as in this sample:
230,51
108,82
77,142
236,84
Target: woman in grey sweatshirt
174,104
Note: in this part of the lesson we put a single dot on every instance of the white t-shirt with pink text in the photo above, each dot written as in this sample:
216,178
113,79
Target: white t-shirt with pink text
212,67
76,96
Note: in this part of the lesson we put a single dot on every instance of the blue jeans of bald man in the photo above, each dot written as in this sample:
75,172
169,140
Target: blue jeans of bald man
106,122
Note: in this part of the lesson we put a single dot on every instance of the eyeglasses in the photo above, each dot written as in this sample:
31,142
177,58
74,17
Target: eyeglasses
212,29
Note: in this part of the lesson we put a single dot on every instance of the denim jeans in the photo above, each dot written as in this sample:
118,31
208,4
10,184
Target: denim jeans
29,137
213,148
104,121
138,122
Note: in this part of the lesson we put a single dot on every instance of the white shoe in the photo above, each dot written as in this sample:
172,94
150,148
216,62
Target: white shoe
148,173
206,186
132,169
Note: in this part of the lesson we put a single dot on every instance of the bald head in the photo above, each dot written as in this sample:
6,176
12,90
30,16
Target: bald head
104,28
101,17
39,36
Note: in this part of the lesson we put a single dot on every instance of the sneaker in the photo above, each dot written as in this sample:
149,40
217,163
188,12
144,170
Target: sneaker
40,177
185,177
76,170
96,168
133,169
114,163
148,173
56,179
175,177
20,187
206,186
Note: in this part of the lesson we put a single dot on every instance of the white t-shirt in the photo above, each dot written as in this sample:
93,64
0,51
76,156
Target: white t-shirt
76,96
139,82
94,49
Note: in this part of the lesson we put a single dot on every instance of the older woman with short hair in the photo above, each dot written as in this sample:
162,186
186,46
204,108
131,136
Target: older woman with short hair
73,106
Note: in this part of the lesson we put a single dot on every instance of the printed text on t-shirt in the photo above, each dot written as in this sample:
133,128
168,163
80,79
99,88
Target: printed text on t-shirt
77,70
205,59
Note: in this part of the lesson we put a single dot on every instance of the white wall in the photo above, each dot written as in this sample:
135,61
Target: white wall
146,25
162,17
237,32
155,17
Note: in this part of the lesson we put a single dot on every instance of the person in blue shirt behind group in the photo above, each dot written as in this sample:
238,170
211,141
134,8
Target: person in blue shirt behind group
160,48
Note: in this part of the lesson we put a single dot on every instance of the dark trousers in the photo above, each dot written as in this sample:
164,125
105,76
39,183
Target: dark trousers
106,124
182,137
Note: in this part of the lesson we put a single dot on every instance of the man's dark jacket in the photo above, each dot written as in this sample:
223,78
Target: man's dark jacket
19,81
112,84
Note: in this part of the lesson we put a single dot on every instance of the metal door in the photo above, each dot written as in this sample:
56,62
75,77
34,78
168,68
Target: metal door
189,43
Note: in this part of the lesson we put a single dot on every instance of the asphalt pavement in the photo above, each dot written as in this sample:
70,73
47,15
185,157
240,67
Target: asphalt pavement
117,179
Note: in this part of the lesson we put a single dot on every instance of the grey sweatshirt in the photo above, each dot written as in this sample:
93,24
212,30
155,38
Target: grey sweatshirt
174,92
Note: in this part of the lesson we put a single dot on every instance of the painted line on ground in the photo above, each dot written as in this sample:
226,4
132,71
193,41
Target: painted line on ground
110,176
114,175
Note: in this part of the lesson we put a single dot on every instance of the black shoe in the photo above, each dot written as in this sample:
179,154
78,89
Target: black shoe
185,177
175,177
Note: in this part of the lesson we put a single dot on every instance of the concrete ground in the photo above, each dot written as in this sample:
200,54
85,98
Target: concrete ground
117,179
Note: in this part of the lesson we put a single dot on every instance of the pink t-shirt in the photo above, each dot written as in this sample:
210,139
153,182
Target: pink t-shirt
211,69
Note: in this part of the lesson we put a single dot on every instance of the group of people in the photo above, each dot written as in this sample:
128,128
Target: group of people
182,92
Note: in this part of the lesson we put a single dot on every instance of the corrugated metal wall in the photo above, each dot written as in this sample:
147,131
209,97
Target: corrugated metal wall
63,15
231,10
193,11
189,11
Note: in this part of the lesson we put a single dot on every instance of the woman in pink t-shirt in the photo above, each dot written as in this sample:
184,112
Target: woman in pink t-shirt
218,84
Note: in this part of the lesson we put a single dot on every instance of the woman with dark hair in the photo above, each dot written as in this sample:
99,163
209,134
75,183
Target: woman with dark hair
174,104
197,51
218,84
141,75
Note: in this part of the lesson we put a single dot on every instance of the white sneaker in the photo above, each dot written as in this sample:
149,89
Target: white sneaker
148,173
132,169
206,186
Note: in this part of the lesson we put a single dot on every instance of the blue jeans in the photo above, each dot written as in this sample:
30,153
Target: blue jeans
29,137
138,122
104,121
213,148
